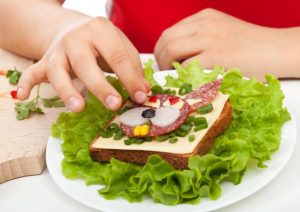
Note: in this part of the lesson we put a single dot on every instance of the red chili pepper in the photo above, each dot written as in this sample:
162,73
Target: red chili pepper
152,99
13,94
173,100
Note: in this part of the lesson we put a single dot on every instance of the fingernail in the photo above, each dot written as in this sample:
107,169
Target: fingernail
112,101
140,96
73,103
19,92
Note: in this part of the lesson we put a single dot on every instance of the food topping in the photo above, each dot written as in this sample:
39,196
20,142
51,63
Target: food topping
160,124
185,89
165,116
133,117
152,101
173,100
192,138
13,94
141,130
159,90
205,109
148,113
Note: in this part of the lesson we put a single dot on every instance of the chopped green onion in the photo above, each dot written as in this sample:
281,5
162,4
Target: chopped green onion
185,89
205,109
106,133
173,140
128,141
200,127
183,130
190,119
181,133
192,138
200,121
157,89
118,135
162,138
138,141
114,127
185,127
169,91
172,134
148,139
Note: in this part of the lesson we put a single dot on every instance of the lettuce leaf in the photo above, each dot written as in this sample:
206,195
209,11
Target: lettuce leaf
193,74
149,73
254,133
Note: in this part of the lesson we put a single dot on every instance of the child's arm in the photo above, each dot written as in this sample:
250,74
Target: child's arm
213,37
67,41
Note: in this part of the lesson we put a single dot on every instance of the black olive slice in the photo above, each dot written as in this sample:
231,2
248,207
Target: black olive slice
149,113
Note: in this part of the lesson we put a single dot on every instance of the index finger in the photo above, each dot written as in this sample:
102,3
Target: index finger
114,50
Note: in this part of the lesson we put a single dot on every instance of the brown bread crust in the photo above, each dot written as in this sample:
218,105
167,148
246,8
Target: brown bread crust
179,161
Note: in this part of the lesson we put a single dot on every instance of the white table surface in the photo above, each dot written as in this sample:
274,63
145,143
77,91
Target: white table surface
40,193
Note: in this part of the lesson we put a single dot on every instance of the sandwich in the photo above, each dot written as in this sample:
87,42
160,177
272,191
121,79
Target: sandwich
173,123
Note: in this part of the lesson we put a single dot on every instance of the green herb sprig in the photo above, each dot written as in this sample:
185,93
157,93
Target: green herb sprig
13,76
157,89
26,109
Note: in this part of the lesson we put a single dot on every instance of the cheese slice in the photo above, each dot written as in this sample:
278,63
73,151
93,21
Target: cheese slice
193,101
182,146
152,104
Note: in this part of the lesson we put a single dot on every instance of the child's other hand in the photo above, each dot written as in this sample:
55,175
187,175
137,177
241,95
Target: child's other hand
76,50
213,37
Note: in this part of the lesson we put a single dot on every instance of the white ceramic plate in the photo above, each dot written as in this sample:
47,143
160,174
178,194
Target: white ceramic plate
254,179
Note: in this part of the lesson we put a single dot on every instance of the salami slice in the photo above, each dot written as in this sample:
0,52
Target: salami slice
156,130
203,95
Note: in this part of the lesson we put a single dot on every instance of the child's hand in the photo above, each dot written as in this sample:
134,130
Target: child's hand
213,37
76,50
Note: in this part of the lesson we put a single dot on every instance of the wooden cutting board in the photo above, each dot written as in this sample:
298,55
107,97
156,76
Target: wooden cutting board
22,143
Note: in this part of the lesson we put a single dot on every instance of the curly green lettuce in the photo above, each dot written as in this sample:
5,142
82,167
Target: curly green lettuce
254,133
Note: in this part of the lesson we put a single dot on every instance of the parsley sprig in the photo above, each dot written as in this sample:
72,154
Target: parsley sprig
14,76
26,109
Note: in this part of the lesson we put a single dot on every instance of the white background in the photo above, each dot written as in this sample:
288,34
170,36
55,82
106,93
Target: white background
40,193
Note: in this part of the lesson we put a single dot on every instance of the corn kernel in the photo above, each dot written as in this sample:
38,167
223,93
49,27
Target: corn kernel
144,130
136,131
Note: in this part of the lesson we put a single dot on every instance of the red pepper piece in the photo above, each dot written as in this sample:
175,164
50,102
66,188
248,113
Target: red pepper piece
13,94
173,100
152,99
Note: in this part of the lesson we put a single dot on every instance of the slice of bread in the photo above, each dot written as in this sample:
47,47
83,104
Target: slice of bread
179,161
